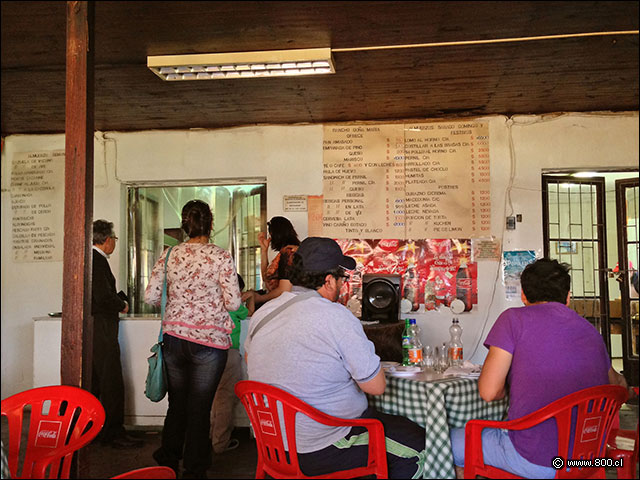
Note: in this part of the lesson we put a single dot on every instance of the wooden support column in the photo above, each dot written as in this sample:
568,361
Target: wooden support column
77,325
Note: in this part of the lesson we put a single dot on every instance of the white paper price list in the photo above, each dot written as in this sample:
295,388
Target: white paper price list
363,172
481,182
440,172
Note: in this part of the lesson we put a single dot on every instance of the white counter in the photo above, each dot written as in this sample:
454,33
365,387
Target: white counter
137,334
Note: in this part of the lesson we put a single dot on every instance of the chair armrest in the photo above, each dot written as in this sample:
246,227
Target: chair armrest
377,442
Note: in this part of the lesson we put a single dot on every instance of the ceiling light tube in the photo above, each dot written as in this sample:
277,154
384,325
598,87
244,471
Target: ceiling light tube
272,63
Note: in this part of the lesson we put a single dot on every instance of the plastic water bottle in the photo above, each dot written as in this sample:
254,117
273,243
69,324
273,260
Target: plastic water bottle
415,345
455,344
406,342
411,344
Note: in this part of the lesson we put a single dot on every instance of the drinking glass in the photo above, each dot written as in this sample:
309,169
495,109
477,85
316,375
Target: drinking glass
428,356
441,360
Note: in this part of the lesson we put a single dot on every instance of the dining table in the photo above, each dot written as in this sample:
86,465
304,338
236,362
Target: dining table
437,402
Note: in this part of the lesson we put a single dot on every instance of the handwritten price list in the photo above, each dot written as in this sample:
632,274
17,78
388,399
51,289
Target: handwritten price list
427,180
37,186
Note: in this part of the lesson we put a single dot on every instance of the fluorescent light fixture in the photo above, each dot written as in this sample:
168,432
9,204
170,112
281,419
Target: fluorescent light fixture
585,174
213,66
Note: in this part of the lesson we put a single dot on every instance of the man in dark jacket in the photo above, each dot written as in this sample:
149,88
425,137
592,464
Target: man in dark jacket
107,383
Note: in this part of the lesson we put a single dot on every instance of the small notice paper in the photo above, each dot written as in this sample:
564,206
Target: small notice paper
485,249
295,203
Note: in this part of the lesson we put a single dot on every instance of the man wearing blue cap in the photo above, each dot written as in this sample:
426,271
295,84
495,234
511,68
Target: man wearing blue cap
315,349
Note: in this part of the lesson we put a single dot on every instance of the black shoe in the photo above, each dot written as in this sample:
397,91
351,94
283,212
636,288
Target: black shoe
161,460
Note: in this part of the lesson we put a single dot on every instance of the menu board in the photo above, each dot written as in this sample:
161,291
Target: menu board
422,180
363,175
37,191
447,180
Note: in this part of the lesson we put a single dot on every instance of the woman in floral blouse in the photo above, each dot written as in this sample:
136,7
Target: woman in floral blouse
202,286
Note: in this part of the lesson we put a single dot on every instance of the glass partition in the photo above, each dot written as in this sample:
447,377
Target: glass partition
154,222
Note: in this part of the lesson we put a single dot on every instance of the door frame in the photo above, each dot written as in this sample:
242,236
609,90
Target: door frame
599,183
630,364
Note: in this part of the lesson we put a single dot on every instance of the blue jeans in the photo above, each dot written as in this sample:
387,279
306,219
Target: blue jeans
193,371
498,451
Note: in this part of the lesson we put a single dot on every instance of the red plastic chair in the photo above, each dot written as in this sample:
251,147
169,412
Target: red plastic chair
596,409
63,419
149,472
260,400
629,457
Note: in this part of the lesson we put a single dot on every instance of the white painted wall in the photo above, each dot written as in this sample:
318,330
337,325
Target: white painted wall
290,157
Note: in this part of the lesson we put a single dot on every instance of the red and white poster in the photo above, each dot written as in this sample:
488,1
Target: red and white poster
433,272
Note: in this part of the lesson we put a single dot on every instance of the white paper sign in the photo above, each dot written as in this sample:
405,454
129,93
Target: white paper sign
295,203
37,199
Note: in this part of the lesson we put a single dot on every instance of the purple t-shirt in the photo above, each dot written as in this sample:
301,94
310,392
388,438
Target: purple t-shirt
555,352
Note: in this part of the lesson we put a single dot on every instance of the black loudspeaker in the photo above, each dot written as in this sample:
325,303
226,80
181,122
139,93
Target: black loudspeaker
380,297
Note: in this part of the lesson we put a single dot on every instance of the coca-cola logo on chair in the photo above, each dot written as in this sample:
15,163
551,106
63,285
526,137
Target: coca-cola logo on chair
48,433
267,425
590,429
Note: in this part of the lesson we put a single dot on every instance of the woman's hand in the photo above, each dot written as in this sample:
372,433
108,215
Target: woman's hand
248,294
264,241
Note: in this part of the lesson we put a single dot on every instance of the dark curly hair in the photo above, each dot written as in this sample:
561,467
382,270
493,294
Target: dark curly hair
282,233
197,219
546,280
297,275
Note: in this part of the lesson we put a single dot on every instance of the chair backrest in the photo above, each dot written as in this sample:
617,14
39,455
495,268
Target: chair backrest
149,472
265,403
595,409
583,419
62,420
617,450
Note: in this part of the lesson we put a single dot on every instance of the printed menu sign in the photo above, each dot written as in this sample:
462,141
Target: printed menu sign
37,189
363,176
423,180
447,180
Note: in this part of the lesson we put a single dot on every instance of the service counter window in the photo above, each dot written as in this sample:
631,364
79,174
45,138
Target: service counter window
154,219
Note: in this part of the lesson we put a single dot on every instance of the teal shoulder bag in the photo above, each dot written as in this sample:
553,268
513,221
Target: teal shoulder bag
156,384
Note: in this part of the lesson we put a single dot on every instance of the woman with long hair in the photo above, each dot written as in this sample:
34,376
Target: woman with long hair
202,286
284,240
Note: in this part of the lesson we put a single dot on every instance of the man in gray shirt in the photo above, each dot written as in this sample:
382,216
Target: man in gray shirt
317,350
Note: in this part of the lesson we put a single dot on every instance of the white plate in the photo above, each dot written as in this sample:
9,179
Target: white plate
386,364
401,373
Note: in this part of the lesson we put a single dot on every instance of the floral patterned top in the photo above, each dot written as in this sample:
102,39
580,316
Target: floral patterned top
202,287
275,271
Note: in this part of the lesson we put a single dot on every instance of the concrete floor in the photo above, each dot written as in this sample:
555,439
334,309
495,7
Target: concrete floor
104,462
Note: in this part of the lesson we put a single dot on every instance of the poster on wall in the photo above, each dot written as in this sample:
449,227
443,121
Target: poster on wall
37,193
433,272
513,263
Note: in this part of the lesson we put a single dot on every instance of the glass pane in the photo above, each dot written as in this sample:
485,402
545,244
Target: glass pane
154,222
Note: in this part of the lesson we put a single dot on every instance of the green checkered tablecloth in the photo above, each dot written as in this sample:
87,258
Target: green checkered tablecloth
437,406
